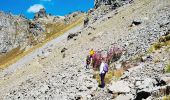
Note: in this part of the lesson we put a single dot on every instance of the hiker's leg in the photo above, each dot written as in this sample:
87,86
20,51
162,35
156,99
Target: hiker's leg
93,64
102,80
91,60
87,66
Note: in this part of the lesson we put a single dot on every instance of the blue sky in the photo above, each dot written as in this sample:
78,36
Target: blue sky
55,7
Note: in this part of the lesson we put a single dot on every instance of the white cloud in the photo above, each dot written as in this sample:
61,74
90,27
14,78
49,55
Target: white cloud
35,8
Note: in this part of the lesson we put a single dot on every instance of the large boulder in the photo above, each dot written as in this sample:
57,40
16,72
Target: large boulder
119,87
124,97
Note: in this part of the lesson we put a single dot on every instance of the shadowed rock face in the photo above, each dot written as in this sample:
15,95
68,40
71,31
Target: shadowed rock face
114,3
97,3
142,95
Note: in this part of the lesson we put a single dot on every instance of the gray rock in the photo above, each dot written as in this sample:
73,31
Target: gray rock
119,87
124,97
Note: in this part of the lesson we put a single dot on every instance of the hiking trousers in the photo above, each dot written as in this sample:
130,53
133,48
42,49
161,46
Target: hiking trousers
102,76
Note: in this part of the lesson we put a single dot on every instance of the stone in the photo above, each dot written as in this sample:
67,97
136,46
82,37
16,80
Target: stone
118,66
138,83
71,35
78,97
145,58
135,22
124,97
119,87
148,84
63,50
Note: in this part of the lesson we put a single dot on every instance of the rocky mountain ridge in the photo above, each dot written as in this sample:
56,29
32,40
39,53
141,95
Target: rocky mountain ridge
113,3
19,34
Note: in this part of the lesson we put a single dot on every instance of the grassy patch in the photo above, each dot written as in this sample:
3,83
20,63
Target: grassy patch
54,28
166,97
118,73
167,68
163,41
10,55
109,76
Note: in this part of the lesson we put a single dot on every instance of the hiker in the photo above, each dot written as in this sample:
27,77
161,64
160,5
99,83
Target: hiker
88,59
103,71
91,53
86,21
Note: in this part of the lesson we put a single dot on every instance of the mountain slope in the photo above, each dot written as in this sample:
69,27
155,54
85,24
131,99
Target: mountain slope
21,36
62,76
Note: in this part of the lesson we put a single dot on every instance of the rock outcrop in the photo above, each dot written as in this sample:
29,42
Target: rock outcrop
41,14
113,3
20,32
13,32
103,7
17,31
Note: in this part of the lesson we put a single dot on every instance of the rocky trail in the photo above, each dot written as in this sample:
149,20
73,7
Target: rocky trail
59,73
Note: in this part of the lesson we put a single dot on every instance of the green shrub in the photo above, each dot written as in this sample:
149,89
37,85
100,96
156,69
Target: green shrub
158,46
167,38
167,69
166,98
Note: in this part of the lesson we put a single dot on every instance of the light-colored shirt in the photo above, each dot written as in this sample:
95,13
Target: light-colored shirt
102,68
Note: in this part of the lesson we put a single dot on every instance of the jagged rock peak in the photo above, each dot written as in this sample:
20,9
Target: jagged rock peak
41,14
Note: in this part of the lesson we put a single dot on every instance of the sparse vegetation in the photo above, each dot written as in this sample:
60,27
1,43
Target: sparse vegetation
54,28
10,55
108,77
118,73
163,41
166,97
167,68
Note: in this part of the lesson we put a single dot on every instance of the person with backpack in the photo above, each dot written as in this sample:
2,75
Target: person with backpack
91,53
103,71
87,62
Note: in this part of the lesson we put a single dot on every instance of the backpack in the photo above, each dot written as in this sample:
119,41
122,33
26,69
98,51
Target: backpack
106,68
